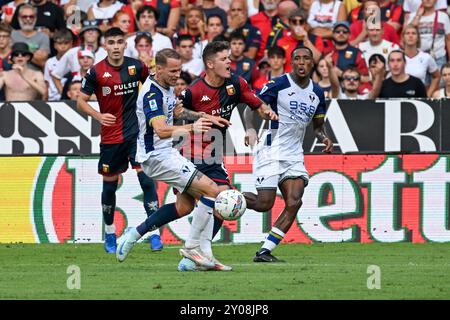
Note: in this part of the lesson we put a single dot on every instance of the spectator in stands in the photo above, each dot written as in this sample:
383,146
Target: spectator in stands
73,90
185,46
276,60
132,8
143,45
351,80
210,8
63,41
285,8
323,15
241,65
103,11
265,21
90,38
147,17
238,21
49,17
434,30
214,28
168,17
401,84
5,46
8,11
445,75
392,13
38,42
418,63
298,35
345,55
182,83
194,25
369,16
410,7
22,83
86,60
122,20
376,43
323,78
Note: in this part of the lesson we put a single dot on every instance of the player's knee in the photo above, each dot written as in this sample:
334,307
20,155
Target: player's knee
183,208
212,191
265,204
293,205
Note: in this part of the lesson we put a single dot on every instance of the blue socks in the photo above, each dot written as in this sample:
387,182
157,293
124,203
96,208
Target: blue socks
109,201
150,195
167,213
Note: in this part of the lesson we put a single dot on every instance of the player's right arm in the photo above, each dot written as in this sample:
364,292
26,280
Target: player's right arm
88,86
156,118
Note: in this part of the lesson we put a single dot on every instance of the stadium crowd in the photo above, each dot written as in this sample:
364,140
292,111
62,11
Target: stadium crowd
362,49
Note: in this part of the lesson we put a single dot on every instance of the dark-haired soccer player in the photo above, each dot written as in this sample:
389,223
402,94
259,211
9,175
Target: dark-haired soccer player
278,160
115,81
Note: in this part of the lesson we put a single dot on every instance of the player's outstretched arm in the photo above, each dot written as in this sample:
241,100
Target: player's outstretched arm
319,130
164,131
267,113
251,136
105,119
182,113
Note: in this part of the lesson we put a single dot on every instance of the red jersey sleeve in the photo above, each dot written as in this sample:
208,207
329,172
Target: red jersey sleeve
248,96
361,64
145,72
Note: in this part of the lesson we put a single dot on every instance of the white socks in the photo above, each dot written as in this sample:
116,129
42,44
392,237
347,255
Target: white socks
206,238
202,214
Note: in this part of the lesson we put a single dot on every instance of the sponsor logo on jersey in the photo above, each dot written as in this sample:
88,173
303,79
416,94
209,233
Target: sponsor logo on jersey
153,105
132,70
106,91
107,75
230,90
205,98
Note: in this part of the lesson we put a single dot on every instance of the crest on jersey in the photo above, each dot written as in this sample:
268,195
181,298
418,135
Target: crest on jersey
385,50
153,105
105,168
132,70
246,66
312,97
230,90
348,54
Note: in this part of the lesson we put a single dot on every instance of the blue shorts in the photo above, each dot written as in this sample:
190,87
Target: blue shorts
216,172
114,158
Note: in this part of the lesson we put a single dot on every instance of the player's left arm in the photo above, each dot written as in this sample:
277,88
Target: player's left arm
319,124
182,111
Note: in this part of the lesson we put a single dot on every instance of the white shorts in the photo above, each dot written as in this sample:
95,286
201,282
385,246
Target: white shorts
170,167
269,174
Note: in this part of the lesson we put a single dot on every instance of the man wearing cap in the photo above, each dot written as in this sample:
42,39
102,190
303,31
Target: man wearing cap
90,38
22,83
86,59
344,55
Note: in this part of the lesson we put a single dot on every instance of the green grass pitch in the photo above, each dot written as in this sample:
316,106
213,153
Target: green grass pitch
317,271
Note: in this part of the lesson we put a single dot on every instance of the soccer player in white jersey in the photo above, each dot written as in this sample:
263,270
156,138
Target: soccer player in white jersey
279,160
162,162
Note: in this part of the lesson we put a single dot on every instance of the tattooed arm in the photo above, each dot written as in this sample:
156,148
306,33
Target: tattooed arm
319,130
182,113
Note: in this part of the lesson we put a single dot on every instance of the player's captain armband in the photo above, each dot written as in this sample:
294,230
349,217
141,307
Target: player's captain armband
318,116
155,118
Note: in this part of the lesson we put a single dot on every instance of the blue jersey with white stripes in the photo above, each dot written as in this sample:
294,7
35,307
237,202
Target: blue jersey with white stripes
154,102
296,107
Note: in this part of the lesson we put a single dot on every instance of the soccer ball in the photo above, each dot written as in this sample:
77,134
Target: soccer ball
230,204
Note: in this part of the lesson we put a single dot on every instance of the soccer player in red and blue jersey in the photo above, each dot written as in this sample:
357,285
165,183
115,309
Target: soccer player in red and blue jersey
115,81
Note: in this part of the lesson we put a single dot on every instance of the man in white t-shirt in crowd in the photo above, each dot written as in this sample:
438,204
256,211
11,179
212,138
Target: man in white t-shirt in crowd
434,30
376,43
147,18
63,41
185,46
90,38
214,27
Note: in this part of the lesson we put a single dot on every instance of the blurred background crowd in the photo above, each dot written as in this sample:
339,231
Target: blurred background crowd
363,49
